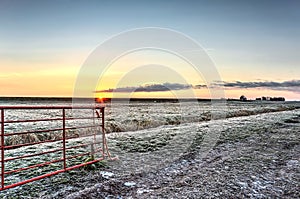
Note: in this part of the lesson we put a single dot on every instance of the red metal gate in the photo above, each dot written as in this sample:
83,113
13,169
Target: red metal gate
47,140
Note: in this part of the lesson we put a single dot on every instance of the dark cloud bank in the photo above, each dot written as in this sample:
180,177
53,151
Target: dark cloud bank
149,88
292,85
272,84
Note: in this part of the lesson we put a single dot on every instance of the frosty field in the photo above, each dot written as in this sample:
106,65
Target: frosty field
163,150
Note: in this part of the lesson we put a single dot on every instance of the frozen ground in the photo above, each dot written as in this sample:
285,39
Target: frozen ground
256,156
121,117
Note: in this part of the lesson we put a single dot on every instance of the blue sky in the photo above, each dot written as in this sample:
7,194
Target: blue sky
248,40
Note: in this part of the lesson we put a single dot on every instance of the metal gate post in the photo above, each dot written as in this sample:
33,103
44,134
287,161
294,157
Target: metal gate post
64,138
103,132
2,149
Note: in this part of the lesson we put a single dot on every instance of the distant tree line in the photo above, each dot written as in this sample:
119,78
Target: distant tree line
243,98
271,98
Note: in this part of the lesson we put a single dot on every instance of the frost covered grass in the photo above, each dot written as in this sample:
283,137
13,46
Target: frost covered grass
56,155
137,116
34,137
254,156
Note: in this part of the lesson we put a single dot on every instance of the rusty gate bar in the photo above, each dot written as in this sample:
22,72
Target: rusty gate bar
64,138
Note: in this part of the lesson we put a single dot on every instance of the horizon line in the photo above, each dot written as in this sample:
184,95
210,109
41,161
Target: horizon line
133,98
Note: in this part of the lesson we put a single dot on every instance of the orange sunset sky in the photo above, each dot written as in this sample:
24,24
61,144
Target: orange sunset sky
253,45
